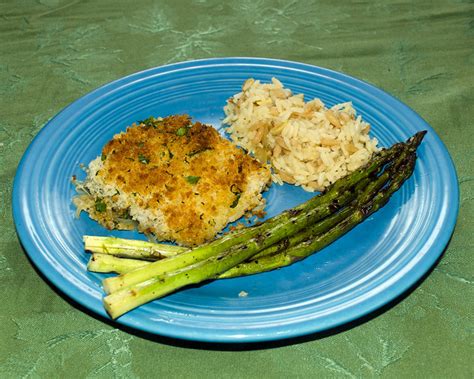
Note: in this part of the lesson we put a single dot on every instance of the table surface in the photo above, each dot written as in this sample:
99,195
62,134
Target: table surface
53,52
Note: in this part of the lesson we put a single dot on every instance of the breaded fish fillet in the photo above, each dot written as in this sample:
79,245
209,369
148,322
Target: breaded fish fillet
171,178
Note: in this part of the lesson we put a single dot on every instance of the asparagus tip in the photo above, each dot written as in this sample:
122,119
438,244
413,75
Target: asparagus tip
416,139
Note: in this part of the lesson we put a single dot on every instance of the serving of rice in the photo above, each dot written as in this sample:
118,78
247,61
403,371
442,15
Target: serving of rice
306,143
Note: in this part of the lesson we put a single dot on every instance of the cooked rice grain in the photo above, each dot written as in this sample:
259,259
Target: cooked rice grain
306,143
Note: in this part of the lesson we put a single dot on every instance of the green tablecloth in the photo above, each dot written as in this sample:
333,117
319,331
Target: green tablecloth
54,51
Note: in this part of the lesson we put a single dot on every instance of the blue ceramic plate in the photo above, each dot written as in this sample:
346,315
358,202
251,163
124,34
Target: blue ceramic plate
370,266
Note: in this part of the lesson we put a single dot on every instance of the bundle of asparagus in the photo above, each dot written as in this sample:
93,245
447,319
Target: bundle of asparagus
149,271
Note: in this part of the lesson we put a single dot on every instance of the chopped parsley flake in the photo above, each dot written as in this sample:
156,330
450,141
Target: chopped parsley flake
148,121
100,206
143,159
151,121
192,179
182,131
236,200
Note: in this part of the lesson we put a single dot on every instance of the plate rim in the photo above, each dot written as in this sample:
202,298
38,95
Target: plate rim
353,313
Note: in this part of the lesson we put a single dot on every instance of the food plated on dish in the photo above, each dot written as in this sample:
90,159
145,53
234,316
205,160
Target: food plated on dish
143,176
306,143
359,272
172,179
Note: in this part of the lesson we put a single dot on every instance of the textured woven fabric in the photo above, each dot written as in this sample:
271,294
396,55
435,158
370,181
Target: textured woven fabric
53,52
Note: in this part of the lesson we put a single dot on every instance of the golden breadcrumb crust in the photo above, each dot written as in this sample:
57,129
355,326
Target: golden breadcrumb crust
196,179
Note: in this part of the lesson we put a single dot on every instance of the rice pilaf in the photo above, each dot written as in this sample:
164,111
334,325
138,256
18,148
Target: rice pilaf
306,143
